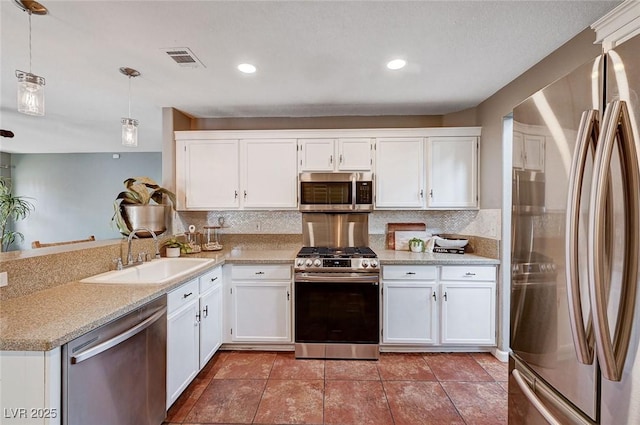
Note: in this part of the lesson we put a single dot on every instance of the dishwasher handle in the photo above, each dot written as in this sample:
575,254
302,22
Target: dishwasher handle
112,342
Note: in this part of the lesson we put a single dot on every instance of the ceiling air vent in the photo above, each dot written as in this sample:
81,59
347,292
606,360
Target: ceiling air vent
183,56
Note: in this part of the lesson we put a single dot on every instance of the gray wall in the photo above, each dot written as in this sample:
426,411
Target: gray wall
73,193
490,113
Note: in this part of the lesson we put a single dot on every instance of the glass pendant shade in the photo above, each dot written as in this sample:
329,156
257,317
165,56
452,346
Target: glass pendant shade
30,93
129,132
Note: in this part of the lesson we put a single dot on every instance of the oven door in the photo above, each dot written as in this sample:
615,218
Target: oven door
337,311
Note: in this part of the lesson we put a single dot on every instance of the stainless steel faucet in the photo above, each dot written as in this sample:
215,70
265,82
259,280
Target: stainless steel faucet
132,234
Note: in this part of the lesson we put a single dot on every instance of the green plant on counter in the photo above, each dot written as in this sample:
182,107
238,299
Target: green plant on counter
139,191
12,208
416,242
185,248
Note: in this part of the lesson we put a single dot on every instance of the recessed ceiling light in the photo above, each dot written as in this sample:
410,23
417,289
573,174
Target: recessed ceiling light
247,68
396,64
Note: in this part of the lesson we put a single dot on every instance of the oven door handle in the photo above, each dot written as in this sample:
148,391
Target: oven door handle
338,278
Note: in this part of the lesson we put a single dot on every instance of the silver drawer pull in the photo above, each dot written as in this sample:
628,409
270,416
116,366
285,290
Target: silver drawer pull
469,274
213,279
259,272
411,273
187,295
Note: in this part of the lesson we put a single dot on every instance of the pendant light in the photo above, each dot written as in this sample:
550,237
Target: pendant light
30,86
129,125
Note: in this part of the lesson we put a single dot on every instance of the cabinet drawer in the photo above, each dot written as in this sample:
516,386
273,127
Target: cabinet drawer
409,272
484,273
210,279
182,295
261,272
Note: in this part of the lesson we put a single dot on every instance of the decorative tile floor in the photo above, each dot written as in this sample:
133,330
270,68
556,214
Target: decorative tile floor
249,387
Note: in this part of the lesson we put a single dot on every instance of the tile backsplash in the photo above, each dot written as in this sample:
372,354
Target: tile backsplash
482,223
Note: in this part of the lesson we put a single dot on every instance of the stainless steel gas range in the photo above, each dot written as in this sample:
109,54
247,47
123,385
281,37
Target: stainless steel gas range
337,307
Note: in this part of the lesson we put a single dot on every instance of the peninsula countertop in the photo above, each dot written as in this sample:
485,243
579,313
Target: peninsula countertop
52,317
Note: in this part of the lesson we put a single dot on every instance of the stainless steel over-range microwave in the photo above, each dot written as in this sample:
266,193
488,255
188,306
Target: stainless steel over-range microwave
336,192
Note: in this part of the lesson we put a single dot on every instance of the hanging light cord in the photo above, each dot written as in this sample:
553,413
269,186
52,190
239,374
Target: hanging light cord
129,116
29,11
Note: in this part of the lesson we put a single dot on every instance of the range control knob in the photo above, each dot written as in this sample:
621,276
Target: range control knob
365,263
309,262
374,263
317,262
299,262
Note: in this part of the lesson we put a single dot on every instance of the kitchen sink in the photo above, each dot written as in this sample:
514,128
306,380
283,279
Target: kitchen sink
153,272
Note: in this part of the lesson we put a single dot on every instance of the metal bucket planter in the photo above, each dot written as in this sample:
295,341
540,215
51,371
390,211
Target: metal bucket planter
152,217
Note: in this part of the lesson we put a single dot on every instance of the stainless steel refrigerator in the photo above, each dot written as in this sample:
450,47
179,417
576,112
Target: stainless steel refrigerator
575,310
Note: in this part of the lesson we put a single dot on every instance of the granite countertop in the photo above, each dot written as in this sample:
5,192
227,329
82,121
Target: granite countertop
52,317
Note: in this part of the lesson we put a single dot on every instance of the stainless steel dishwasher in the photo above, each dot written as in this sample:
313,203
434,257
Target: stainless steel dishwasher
116,374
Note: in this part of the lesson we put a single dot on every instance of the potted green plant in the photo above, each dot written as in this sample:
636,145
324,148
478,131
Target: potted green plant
12,208
416,245
141,205
174,247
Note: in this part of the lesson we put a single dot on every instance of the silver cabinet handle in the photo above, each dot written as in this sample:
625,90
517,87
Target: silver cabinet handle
421,193
533,399
235,194
588,133
112,342
331,159
213,279
444,296
259,272
469,274
187,295
435,298
616,126
205,312
245,194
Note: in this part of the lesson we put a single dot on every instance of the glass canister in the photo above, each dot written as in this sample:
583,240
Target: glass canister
210,240
194,239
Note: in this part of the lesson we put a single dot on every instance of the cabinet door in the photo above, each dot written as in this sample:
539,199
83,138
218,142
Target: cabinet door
212,174
210,323
262,312
316,154
182,349
409,312
399,171
468,313
533,152
354,154
452,172
270,176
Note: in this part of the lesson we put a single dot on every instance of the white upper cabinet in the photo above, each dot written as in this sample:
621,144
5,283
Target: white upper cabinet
316,154
355,154
233,174
452,172
269,177
399,172
329,155
209,173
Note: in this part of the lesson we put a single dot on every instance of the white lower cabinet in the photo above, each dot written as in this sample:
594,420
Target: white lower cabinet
260,303
422,307
468,296
182,339
194,329
30,387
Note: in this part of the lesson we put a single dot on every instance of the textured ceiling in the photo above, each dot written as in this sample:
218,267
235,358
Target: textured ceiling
314,58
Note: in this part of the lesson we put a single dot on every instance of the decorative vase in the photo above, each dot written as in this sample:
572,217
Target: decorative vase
173,252
151,217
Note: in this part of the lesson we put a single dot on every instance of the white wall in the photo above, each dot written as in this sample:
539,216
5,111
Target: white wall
73,193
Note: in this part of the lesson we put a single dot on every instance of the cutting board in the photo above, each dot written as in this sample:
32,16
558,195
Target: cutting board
392,227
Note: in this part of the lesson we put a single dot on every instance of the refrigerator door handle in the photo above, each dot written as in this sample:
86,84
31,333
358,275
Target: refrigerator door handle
616,127
586,142
533,399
